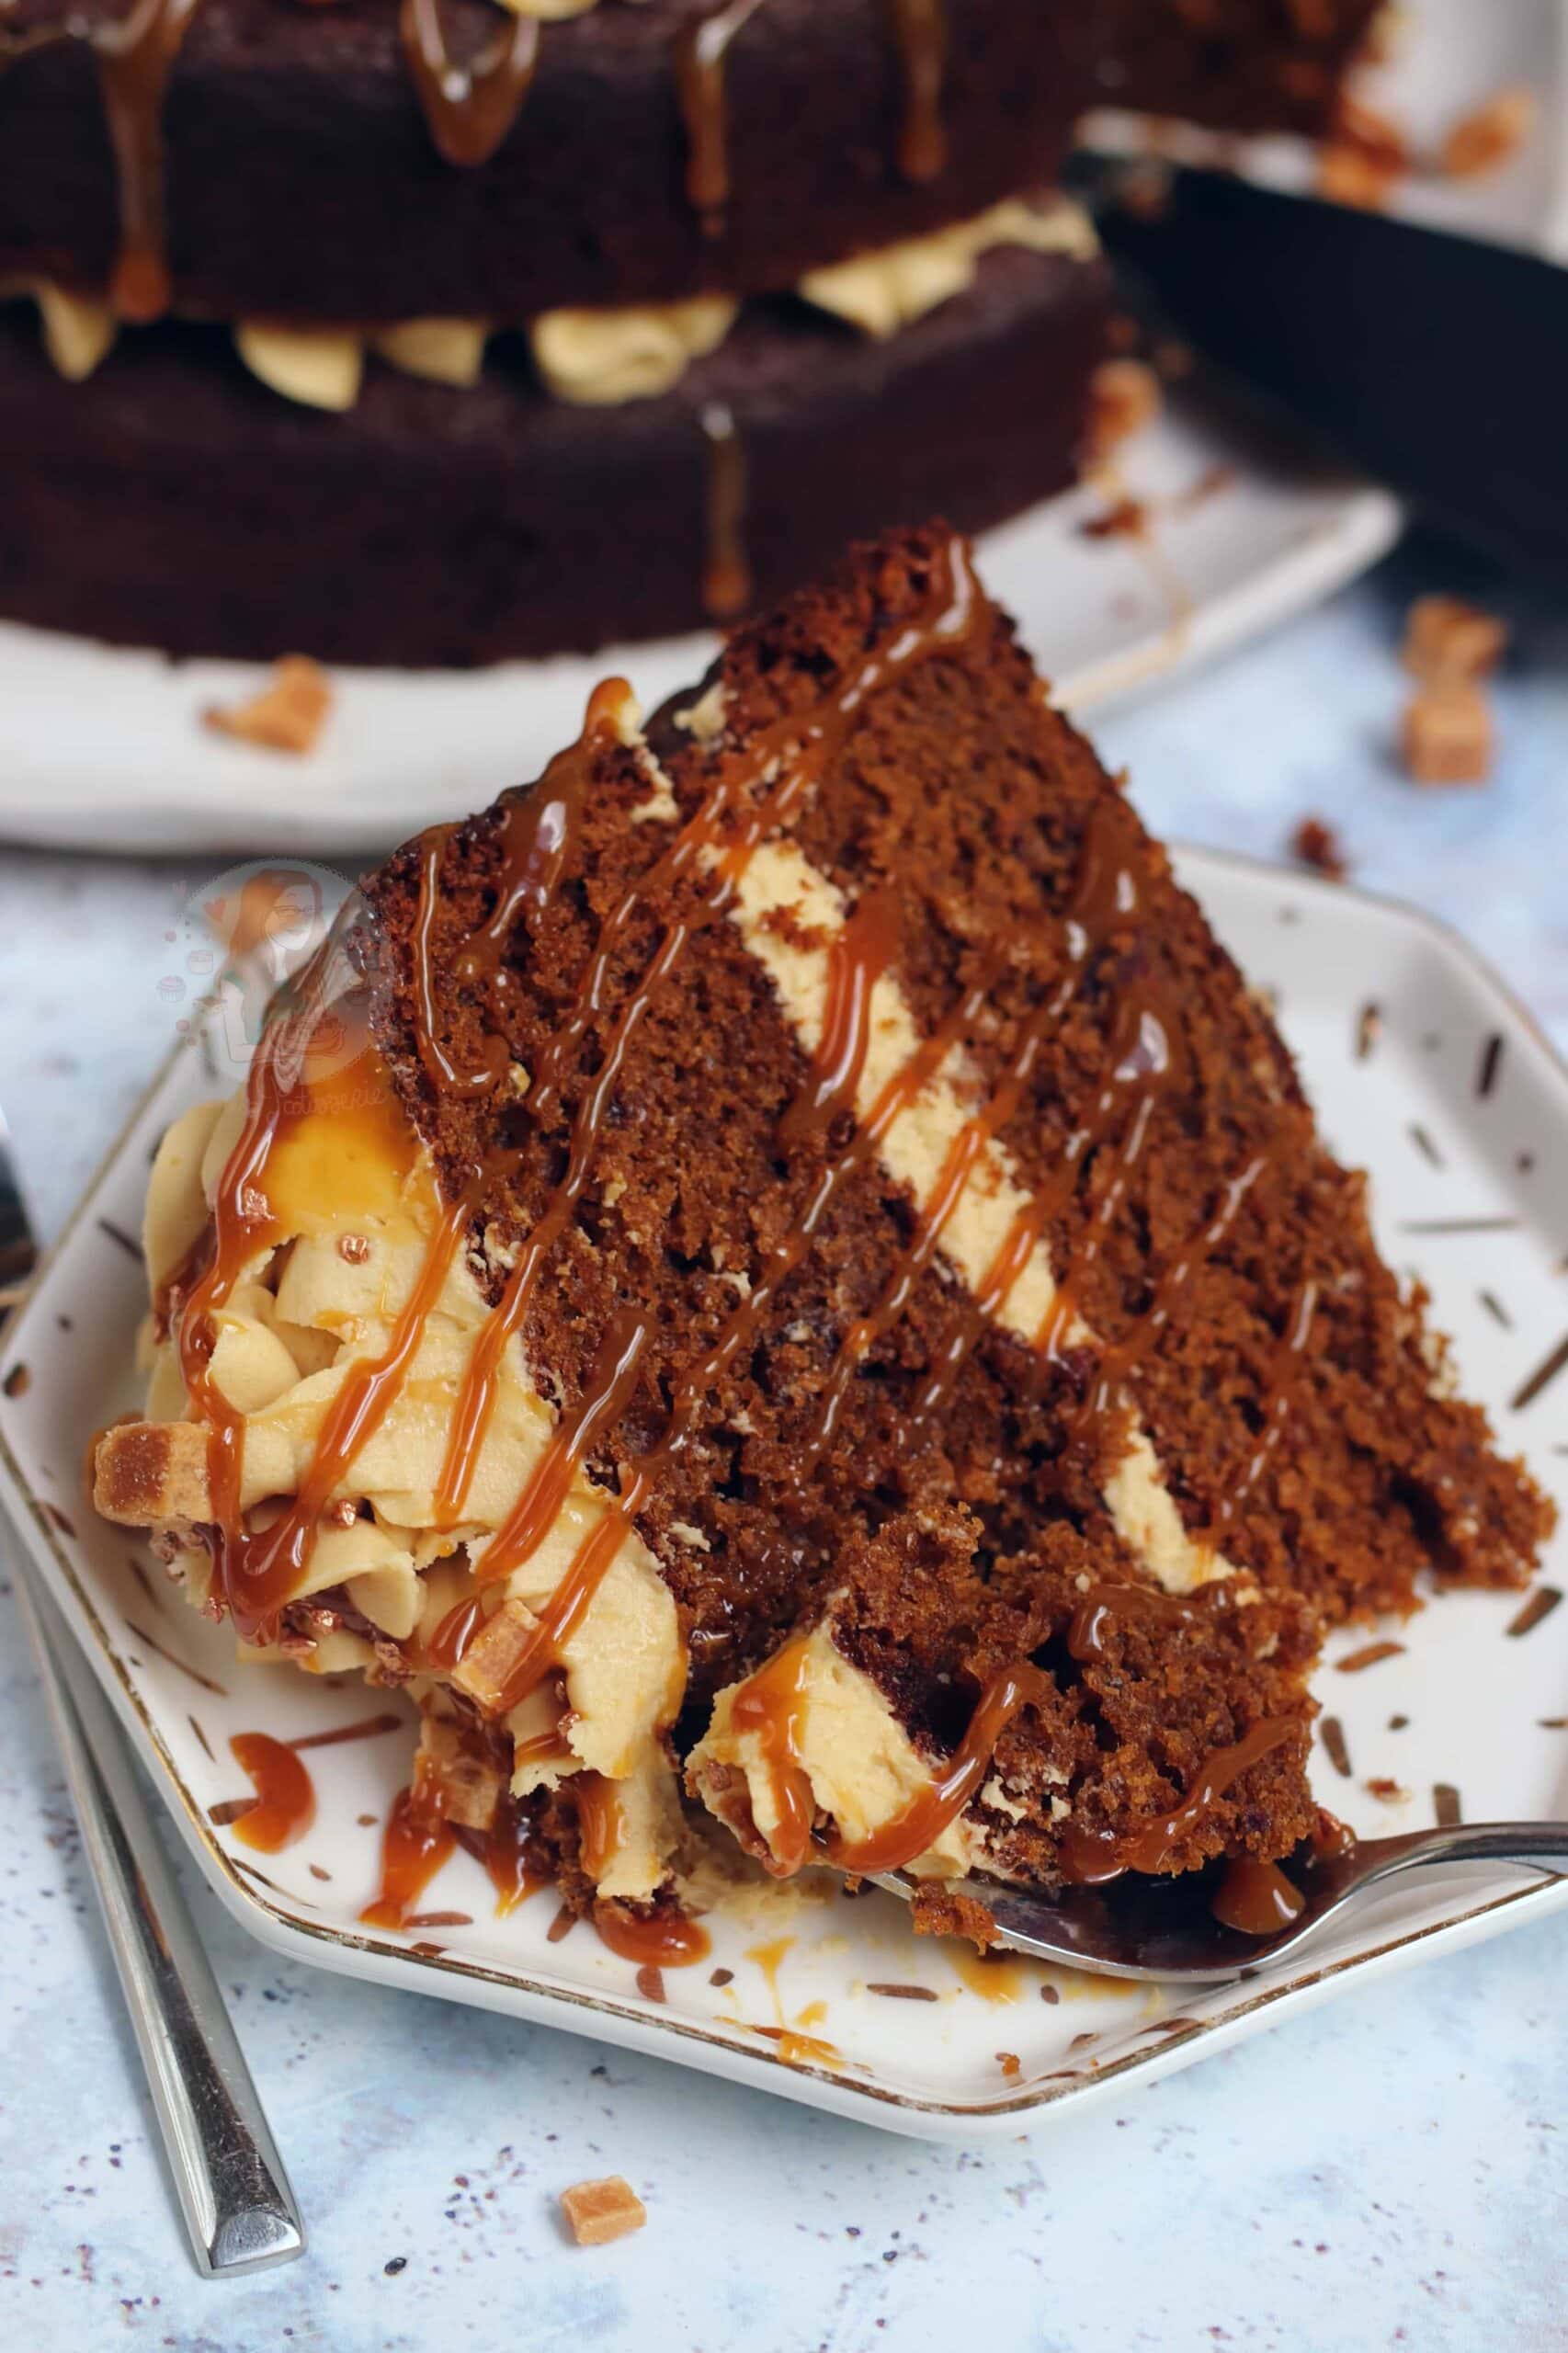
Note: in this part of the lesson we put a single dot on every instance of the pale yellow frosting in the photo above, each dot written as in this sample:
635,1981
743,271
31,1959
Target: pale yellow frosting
592,357
299,1318
889,289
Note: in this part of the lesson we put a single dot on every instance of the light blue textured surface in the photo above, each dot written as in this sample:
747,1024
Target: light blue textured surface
1388,2171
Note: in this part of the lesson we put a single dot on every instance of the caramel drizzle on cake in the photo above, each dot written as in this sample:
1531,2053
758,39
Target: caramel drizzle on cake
1089,1858
470,110
856,957
726,563
135,56
769,1705
921,29
699,57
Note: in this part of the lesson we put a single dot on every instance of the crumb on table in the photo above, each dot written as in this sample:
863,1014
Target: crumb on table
1124,397
1446,734
1363,157
1317,844
1448,641
598,2211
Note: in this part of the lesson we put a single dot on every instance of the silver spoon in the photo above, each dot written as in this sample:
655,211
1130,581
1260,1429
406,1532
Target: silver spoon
1161,1929
233,2193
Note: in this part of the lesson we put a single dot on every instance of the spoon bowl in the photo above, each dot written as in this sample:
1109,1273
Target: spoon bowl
1163,1929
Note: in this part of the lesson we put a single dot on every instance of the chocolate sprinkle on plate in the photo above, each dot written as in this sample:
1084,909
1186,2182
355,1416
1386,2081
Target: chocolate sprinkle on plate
1542,1603
1496,1308
1424,1144
1460,1225
172,1659
1369,1655
906,1993
726,1977
16,1380
1491,1061
1446,1803
1369,1022
1338,1748
1542,1378
117,1233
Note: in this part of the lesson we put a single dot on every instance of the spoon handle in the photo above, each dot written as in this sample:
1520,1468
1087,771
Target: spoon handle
233,2192
1541,1844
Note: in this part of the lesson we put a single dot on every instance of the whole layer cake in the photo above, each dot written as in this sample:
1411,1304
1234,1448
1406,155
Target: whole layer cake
476,243
782,1271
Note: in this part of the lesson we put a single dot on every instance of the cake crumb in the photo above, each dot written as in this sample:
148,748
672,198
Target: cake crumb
1347,176
1446,734
1364,154
1316,845
598,2211
288,715
1124,397
1490,135
1449,642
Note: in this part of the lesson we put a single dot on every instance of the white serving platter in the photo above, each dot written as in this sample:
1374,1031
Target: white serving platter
103,748
1424,1071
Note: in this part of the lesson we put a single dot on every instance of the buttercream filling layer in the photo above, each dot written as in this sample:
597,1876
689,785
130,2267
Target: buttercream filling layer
590,357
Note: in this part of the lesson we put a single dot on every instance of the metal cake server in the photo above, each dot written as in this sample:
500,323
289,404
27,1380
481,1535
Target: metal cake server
233,2193
1163,1928
1437,363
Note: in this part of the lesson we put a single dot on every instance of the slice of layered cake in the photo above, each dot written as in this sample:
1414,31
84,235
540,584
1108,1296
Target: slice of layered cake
781,1271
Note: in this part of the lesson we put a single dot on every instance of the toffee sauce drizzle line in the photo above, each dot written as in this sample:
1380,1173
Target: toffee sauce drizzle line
698,59
1090,1857
920,27
469,109
727,583
135,56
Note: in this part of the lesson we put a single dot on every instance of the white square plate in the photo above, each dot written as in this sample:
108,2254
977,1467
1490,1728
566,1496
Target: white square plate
1425,1072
